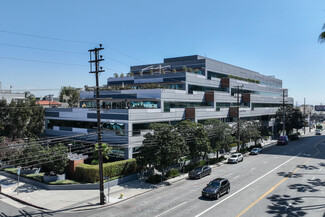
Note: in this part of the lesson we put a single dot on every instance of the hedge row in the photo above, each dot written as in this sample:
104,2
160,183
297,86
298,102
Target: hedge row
90,173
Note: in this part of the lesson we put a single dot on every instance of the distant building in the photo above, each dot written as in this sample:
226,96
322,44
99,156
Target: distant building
8,95
182,88
49,104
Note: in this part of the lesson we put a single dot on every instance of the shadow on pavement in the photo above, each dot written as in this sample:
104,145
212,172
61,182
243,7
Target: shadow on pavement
26,188
290,175
285,206
140,185
4,182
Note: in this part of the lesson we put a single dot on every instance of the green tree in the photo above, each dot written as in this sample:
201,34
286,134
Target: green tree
196,138
185,68
293,119
21,119
254,131
31,155
248,131
321,37
162,147
106,150
115,75
4,117
72,93
219,134
56,158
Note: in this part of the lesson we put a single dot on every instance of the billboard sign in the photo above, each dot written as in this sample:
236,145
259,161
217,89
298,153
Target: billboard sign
319,108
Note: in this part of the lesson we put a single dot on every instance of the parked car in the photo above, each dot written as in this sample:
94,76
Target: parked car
199,172
294,137
235,158
216,188
283,140
256,151
318,132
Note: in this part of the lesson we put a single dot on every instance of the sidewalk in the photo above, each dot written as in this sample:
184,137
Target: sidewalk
69,200
79,200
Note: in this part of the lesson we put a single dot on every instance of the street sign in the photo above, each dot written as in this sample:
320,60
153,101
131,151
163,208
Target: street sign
319,108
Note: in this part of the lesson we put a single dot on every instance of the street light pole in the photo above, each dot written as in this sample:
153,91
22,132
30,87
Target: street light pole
284,117
95,62
304,115
238,118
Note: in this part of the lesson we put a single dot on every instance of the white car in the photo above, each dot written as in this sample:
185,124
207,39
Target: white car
235,158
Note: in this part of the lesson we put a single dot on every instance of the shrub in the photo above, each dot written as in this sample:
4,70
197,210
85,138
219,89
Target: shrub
90,173
172,173
154,179
243,150
216,160
191,166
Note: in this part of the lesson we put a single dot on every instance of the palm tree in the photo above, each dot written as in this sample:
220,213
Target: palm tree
321,37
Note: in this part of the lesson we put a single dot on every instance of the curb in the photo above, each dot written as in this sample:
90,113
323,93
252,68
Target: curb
105,205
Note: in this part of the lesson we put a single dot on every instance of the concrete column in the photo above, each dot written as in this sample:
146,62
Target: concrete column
128,153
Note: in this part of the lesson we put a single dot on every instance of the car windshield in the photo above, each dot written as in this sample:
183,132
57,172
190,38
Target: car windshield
255,149
198,169
214,184
282,138
234,155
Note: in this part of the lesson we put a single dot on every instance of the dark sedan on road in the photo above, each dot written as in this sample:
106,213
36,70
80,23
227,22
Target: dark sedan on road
283,140
216,188
199,172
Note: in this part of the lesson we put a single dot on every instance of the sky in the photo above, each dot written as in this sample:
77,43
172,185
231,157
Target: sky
44,44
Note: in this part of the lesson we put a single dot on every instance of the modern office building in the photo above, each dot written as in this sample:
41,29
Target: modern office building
190,87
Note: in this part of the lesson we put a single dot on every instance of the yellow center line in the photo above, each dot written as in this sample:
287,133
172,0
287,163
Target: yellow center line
279,183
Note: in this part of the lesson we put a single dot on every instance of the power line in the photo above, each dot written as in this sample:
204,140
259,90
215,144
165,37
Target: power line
67,40
45,37
44,49
41,61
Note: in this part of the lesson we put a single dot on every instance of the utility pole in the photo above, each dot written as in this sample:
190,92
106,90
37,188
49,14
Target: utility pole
94,64
284,116
238,128
304,115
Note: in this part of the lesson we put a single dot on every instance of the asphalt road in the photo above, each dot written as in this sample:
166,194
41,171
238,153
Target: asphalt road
282,181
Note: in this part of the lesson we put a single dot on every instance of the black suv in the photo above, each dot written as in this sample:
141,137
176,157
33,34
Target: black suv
199,172
216,188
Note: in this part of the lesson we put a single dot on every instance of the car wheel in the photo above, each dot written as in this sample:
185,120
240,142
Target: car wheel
217,196
228,191
242,159
200,176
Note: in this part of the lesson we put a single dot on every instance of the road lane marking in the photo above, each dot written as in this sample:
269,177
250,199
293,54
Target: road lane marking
246,186
275,157
320,169
236,177
171,209
265,162
253,168
313,178
279,183
265,194
288,206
